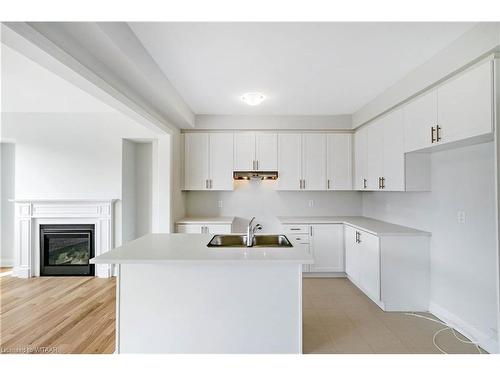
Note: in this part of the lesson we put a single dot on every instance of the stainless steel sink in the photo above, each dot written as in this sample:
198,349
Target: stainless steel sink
239,240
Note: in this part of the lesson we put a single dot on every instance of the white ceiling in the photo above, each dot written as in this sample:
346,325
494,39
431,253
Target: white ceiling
303,68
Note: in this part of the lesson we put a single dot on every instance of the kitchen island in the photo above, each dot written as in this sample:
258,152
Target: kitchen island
176,295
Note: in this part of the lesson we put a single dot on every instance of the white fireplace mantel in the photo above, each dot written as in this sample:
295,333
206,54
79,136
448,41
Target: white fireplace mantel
31,213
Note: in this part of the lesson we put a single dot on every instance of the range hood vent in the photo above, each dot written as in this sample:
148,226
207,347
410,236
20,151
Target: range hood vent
255,175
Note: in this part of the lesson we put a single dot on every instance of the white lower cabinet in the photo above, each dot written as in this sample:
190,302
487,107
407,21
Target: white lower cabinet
204,228
325,242
393,271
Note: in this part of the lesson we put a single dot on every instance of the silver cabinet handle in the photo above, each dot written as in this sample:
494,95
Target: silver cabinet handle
304,184
257,165
432,134
328,184
206,184
438,135
311,230
300,184
253,165
364,183
210,183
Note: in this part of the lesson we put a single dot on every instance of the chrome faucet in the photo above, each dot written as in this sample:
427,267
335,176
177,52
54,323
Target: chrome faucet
251,231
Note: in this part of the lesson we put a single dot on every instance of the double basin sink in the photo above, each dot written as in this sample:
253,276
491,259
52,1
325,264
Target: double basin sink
240,240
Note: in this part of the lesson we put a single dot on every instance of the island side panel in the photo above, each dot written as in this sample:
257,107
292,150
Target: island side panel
210,308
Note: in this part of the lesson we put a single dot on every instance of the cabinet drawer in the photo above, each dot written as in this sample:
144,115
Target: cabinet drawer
297,229
298,238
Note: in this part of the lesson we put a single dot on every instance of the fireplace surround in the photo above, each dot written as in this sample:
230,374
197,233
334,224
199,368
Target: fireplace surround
31,215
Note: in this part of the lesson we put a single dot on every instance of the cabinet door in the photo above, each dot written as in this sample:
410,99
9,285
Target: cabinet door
244,151
360,159
266,151
375,156
221,161
394,155
339,161
314,161
196,160
189,228
218,228
289,161
465,104
351,253
327,247
369,256
419,116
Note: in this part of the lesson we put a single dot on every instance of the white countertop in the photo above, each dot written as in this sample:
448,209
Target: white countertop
376,227
169,248
207,219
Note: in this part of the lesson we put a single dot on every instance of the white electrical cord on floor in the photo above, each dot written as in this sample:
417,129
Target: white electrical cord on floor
447,327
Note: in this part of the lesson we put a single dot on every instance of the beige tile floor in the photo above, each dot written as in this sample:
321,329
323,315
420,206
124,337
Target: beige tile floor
339,318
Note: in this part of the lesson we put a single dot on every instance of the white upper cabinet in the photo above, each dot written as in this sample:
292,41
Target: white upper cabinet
221,161
289,161
465,105
339,161
266,151
244,151
393,152
361,159
255,151
459,109
196,163
420,120
313,161
375,152
208,161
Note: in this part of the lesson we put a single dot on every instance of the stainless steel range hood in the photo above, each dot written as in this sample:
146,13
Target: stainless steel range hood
257,175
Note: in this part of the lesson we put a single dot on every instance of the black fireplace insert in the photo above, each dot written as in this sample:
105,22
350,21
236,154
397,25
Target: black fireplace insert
65,249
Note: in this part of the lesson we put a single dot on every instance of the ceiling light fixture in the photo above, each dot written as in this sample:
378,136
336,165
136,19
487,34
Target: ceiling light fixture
253,98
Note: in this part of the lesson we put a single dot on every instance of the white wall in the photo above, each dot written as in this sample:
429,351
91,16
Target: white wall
128,191
463,256
7,186
143,188
241,122
259,199
79,156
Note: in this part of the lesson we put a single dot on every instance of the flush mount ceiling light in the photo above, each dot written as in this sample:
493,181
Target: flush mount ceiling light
253,98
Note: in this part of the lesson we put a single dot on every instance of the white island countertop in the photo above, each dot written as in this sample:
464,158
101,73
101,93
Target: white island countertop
376,227
206,219
163,248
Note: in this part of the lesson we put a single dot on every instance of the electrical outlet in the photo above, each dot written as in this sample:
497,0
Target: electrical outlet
311,203
461,217
219,204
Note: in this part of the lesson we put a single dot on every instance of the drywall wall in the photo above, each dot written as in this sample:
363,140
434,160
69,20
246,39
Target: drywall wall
143,188
482,39
7,186
79,156
259,199
225,122
128,191
463,256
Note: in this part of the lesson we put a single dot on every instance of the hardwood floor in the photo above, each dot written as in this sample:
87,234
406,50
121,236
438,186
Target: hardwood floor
57,315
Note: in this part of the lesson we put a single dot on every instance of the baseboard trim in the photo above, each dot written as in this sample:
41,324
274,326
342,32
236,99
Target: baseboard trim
468,330
324,274
7,262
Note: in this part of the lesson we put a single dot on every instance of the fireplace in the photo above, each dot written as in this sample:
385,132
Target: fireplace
65,249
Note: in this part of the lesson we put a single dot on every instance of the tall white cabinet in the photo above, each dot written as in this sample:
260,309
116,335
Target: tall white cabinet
208,161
